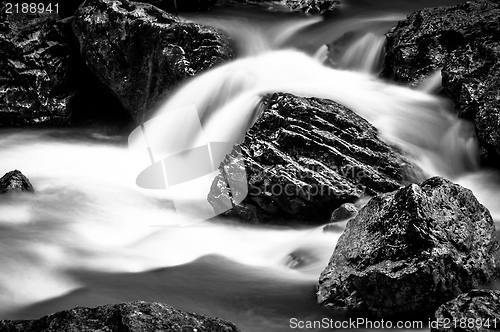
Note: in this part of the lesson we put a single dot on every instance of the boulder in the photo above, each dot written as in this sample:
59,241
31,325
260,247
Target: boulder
133,317
141,53
34,61
477,310
409,251
464,43
15,181
305,157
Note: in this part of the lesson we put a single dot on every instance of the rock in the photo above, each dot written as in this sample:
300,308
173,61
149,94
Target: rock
477,310
312,6
141,52
305,157
133,317
306,6
182,5
463,41
409,251
344,212
15,181
34,60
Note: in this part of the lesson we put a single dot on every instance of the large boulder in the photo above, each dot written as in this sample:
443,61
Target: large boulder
409,251
34,61
464,43
15,181
141,52
133,317
304,158
477,310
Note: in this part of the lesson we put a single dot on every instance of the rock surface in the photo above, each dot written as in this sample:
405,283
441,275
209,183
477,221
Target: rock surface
304,158
141,53
182,5
306,6
34,61
15,181
477,310
133,317
409,251
463,41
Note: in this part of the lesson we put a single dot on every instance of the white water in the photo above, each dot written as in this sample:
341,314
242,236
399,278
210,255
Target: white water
90,236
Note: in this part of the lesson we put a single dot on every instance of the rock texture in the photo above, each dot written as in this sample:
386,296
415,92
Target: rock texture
305,157
34,61
409,251
182,5
477,310
133,317
463,41
15,181
141,53
306,6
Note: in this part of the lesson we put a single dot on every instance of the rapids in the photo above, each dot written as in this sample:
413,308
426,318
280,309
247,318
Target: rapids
90,236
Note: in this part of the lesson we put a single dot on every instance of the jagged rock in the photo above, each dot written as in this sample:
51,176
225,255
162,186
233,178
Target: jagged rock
477,310
136,316
34,60
15,181
409,251
345,211
463,41
141,52
304,158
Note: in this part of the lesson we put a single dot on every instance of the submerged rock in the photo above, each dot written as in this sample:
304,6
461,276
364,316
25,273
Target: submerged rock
304,158
15,181
34,60
477,310
141,52
409,251
133,317
464,43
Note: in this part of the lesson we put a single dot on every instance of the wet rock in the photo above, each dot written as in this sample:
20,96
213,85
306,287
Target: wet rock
303,158
141,53
182,5
409,251
477,310
34,61
464,43
344,212
306,6
15,181
134,317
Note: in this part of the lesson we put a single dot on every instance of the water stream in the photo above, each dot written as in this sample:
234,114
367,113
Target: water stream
90,236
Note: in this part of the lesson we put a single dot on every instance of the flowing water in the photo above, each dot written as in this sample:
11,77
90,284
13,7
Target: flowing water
90,236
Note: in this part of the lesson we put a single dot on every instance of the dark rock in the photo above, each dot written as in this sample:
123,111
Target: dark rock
306,6
34,60
304,158
182,5
133,317
463,41
141,52
409,251
477,310
312,6
344,212
15,181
